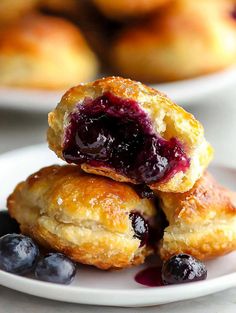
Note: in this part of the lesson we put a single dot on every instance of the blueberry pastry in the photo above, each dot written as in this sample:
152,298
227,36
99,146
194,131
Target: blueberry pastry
202,221
44,52
129,132
183,40
93,220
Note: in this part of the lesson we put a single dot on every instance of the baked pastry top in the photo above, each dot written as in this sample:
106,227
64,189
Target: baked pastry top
44,52
129,132
202,221
93,220
183,40
128,8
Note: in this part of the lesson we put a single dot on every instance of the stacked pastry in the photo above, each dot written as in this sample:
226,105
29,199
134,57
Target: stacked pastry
125,143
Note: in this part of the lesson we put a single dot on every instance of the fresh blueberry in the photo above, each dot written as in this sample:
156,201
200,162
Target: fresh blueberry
140,227
55,268
7,224
183,268
18,253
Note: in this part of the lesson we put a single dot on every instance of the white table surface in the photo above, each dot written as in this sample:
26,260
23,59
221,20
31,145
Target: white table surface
218,115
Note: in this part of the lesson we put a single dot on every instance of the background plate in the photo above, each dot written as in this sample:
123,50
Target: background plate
93,286
185,92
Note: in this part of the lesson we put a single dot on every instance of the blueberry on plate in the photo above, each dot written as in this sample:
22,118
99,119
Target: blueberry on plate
8,225
55,268
183,268
18,254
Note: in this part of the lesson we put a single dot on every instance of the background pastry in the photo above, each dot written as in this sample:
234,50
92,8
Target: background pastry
128,8
91,219
127,131
183,40
202,221
44,52
11,10
68,7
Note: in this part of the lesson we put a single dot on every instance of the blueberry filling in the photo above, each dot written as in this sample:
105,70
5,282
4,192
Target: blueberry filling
157,225
140,227
114,132
144,191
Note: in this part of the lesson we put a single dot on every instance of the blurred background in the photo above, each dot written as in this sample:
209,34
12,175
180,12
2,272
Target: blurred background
185,48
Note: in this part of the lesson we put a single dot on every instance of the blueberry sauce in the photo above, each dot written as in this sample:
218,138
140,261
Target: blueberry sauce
140,227
150,277
114,132
157,225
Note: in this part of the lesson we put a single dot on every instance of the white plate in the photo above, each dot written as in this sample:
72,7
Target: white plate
185,92
93,286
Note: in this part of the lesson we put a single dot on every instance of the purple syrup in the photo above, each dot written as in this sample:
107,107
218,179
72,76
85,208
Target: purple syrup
140,227
150,277
114,132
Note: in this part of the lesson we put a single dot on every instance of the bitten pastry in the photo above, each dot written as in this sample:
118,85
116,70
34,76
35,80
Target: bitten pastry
44,52
129,132
128,8
93,220
202,221
185,39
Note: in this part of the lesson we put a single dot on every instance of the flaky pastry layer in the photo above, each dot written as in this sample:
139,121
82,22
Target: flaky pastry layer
84,216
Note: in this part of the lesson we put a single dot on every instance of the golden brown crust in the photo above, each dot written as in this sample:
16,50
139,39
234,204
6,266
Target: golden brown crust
84,216
128,8
180,42
168,119
202,221
44,52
